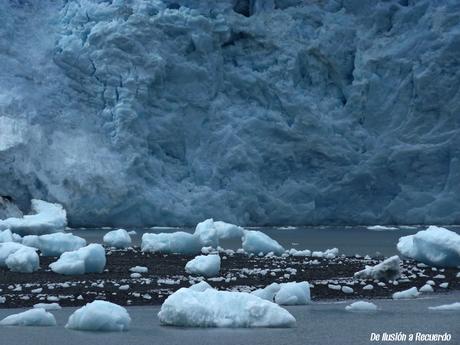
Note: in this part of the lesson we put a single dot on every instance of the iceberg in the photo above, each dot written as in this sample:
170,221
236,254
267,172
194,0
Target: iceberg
210,232
54,244
212,308
48,218
24,260
406,294
168,243
89,259
291,293
100,316
362,307
204,265
386,270
32,317
256,242
434,246
117,238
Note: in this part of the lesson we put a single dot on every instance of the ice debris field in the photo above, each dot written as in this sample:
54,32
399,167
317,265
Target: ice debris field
198,282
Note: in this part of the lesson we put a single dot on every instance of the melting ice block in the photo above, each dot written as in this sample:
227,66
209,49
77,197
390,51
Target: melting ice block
291,293
204,265
89,259
117,238
100,316
25,260
32,317
386,270
257,242
177,242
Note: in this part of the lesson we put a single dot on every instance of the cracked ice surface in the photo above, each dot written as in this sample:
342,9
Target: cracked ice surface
133,113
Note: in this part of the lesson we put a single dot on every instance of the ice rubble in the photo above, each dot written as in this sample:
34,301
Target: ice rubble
362,306
117,238
257,242
204,265
434,246
89,259
48,218
406,294
212,308
447,307
24,260
357,133
291,293
100,316
54,244
32,317
386,270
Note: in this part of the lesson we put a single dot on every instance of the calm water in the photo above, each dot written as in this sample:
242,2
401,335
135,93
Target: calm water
319,323
350,240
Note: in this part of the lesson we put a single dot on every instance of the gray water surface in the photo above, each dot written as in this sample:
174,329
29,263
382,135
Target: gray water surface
319,323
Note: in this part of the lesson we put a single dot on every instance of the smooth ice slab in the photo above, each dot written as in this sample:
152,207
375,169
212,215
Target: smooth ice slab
434,246
89,259
212,308
100,316
32,317
48,218
54,244
117,238
386,270
204,265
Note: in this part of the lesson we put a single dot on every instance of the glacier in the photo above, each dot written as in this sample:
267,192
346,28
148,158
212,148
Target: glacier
134,113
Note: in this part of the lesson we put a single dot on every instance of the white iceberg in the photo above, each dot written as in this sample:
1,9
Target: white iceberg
406,294
434,246
212,308
177,242
204,265
117,238
256,242
48,218
32,317
100,316
210,232
291,293
8,236
54,244
25,260
447,307
386,270
89,259
362,307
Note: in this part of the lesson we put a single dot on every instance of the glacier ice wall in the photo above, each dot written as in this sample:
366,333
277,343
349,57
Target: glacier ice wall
142,112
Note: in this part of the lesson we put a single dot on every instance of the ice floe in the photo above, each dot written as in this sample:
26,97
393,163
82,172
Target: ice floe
100,316
434,246
117,238
54,244
89,259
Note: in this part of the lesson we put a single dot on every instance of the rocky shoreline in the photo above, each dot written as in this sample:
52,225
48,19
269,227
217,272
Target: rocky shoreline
239,272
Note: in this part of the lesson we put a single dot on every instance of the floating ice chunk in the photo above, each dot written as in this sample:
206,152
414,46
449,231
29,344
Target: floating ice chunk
381,228
117,238
8,236
25,260
48,306
447,307
362,307
89,259
293,293
387,270
139,269
204,265
434,246
54,244
32,317
212,308
406,294
178,242
100,316
201,286
256,242
426,288
48,218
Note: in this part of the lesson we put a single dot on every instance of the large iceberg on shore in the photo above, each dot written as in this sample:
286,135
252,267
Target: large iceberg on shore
48,218
388,269
212,308
89,259
100,316
117,238
32,317
54,244
256,242
204,265
177,242
434,246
